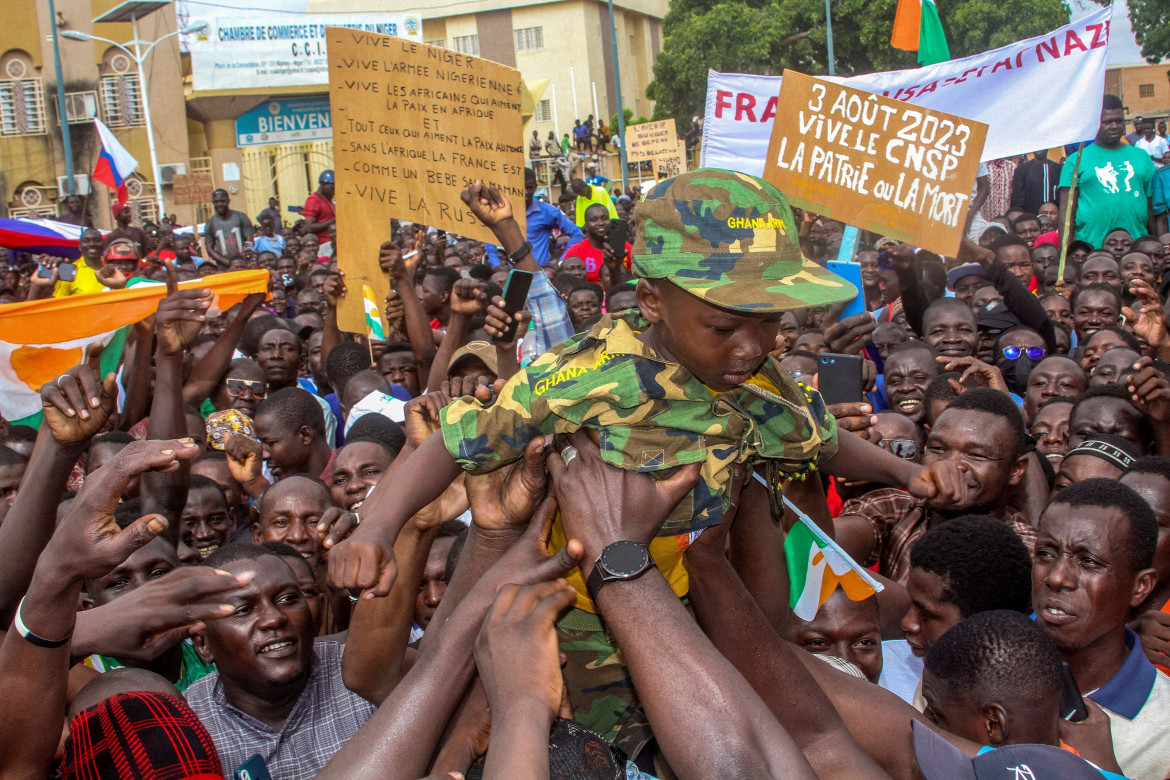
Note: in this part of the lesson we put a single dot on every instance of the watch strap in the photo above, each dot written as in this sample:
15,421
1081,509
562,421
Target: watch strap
599,576
524,250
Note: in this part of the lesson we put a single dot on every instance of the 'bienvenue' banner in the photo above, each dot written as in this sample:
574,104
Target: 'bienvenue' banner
1034,94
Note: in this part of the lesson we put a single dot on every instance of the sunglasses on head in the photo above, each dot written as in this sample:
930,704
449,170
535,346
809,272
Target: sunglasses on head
236,387
906,449
1033,353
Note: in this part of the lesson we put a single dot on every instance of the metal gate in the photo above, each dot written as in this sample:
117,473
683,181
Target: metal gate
285,171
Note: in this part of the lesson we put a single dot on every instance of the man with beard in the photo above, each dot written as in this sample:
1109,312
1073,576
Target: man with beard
982,432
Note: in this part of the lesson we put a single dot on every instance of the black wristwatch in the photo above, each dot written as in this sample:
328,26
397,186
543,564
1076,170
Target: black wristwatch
619,561
520,253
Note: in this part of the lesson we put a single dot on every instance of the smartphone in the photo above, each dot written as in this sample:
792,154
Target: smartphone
253,769
515,294
618,237
67,272
1072,704
839,378
850,272
44,271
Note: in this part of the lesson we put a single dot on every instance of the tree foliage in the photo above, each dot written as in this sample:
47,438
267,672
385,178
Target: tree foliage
1151,27
767,36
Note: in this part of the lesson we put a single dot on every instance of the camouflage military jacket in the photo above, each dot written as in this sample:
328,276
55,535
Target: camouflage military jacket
652,415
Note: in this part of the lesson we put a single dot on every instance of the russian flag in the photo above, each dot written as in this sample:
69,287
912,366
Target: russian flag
114,164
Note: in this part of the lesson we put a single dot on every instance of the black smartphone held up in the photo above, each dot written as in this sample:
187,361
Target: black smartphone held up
44,271
619,231
515,294
1072,704
839,378
66,272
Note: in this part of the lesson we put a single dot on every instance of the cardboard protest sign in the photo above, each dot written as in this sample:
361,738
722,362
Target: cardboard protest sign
191,188
651,140
673,163
900,170
413,126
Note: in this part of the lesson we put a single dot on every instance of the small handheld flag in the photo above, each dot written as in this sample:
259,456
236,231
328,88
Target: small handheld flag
817,565
373,316
114,164
917,27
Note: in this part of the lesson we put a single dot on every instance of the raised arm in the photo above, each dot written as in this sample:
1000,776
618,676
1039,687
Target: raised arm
601,505
742,633
34,659
210,369
76,406
178,321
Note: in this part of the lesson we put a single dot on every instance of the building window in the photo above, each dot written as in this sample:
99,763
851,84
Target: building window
122,100
1145,90
544,111
466,44
22,107
529,38
440,42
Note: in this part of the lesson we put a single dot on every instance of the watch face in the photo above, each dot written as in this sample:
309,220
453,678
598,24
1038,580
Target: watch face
624,559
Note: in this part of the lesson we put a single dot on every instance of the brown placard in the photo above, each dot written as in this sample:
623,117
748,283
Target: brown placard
413,126
880,164
188,189
651,140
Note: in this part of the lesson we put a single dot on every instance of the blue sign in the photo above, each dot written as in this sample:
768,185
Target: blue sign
285,121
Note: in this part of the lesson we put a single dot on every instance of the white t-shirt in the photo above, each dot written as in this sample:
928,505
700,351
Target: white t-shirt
1155,148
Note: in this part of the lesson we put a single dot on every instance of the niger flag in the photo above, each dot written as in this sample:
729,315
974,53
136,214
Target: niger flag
917,27
40,340
817,566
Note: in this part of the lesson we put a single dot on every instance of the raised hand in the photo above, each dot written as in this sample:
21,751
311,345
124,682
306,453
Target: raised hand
1150,324
88,543
146,621
601,504
334,289
180,315
516,652
972,367
395,312
506,498
1149,391
245,458
75,404
335,525
487,203
469,297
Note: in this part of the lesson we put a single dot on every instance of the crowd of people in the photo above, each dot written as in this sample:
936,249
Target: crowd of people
551,541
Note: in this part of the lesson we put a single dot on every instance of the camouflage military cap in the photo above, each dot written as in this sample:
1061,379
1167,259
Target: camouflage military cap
730,239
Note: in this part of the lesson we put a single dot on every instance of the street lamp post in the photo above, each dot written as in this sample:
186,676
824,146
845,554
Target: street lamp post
139,56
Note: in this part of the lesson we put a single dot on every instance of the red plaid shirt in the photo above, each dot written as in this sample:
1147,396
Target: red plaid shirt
899,520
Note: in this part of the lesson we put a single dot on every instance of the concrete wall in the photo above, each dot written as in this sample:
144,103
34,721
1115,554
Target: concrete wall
40,158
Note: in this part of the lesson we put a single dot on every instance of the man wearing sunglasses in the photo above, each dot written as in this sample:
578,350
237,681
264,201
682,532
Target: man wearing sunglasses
1017,351
243,388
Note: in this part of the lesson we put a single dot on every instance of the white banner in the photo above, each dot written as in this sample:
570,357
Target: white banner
1034,94
281,50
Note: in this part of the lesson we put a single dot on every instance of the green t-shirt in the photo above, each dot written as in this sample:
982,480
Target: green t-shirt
1113,191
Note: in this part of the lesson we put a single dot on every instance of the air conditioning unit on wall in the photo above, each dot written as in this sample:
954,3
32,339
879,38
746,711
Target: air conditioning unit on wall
80,185
167,173
81,106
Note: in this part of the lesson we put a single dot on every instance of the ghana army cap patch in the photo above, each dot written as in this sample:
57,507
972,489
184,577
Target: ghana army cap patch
730,239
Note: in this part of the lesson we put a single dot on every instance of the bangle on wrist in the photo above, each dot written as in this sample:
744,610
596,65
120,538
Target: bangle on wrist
30,637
